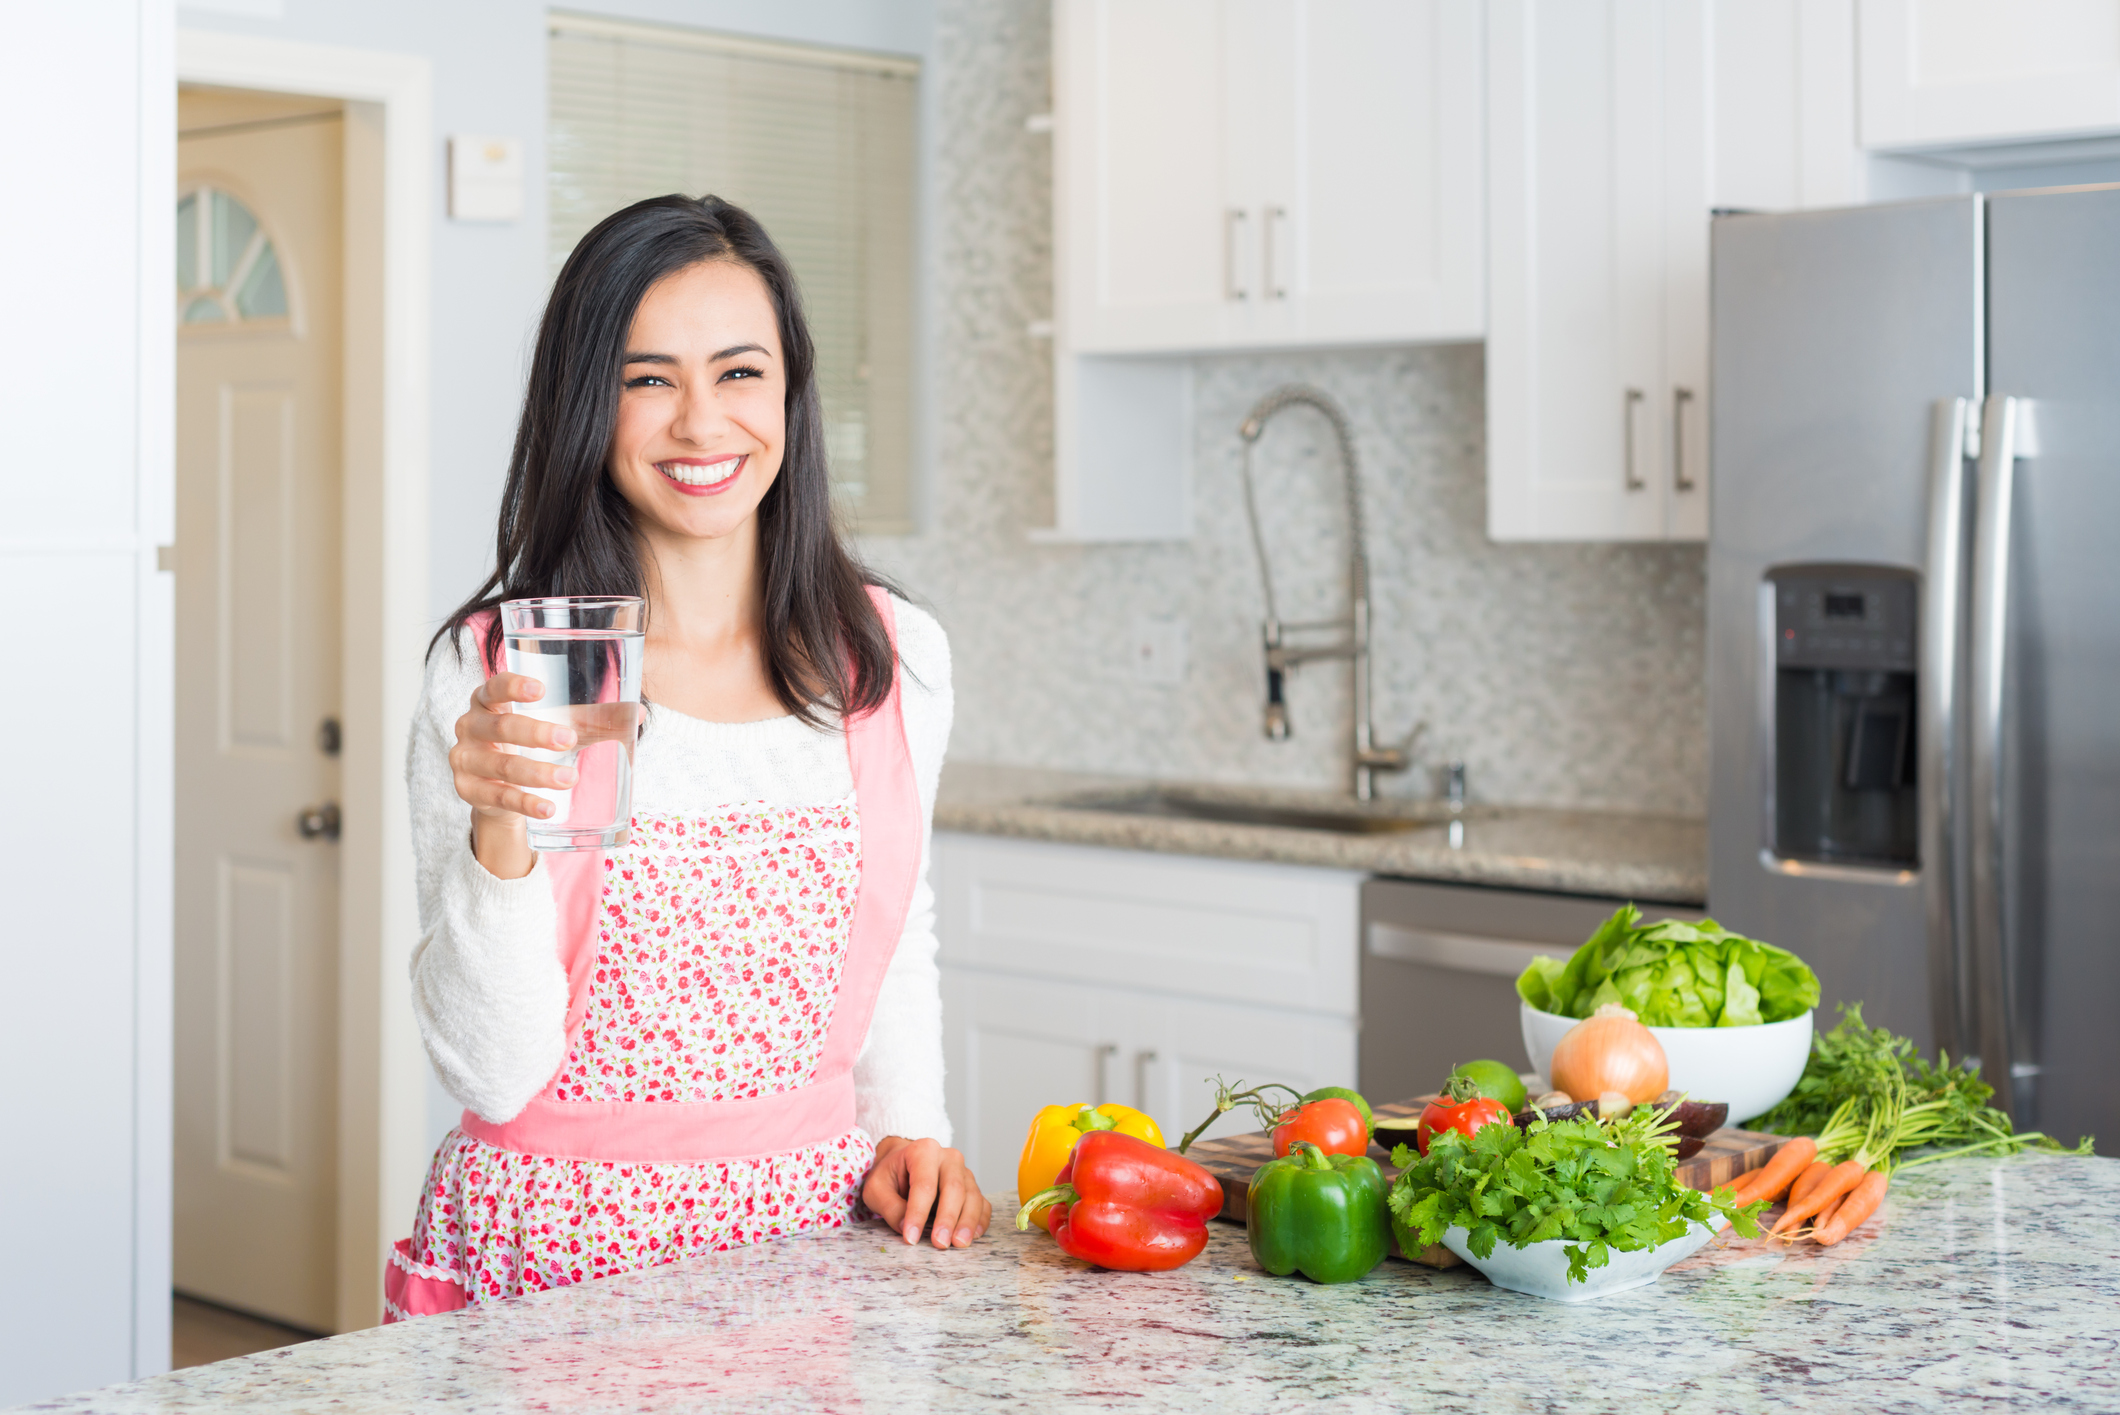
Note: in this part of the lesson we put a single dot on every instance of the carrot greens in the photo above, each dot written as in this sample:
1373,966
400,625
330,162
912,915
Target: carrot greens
1867,1094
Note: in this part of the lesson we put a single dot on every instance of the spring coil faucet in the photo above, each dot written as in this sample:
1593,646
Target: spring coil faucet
1354,643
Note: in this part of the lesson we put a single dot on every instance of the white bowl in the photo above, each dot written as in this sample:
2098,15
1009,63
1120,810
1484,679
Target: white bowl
1752,1068
1542,1268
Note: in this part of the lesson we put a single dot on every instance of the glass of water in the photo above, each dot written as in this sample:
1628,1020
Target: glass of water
586,650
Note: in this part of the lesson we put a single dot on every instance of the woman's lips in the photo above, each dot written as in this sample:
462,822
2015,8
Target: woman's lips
702,478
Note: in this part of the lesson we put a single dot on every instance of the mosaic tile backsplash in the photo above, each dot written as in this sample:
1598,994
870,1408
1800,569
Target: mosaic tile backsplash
1560,674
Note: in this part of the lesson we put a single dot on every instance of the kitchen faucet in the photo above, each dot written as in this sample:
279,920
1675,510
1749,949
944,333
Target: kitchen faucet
1282,656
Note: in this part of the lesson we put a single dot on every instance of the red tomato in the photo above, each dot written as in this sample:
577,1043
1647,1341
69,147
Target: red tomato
1333,1125
1464,1117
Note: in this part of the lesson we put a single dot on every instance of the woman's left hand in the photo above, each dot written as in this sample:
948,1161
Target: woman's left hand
913,1178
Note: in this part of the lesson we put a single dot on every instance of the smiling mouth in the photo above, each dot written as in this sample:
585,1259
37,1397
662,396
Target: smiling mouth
703,478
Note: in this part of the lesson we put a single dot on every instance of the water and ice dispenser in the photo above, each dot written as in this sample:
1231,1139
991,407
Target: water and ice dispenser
1845,648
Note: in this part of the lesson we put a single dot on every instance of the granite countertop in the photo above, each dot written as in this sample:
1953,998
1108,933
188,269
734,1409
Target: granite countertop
1662,858
1988,1283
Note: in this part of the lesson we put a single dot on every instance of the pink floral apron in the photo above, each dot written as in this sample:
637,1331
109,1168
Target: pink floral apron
722,969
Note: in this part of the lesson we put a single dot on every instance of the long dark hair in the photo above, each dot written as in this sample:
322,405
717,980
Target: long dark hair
566,530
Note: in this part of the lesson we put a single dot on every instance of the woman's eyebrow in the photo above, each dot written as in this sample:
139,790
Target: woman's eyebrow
729,353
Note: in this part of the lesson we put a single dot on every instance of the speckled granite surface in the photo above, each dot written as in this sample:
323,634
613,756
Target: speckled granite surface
1982,1284
1663,858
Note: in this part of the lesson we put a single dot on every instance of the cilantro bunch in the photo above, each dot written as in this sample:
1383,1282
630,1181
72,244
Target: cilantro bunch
1598,1185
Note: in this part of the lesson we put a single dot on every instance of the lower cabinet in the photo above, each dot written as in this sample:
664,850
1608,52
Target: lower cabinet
1060,983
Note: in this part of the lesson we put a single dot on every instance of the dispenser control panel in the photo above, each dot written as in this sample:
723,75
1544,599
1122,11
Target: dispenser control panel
1834,619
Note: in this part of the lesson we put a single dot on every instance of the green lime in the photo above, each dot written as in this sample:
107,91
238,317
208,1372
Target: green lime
1496,1081
1369,1120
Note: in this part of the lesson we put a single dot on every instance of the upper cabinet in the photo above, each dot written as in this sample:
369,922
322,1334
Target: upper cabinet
1942,73
1598,205
1615,129
1266,173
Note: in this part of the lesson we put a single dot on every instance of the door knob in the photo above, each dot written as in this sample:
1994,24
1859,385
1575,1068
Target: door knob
319,822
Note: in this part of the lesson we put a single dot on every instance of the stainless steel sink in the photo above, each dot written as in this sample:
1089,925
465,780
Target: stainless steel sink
1378,818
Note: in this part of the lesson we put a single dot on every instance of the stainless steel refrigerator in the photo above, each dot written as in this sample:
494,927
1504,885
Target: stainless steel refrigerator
1914,624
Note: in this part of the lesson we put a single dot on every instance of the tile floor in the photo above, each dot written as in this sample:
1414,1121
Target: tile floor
201,1332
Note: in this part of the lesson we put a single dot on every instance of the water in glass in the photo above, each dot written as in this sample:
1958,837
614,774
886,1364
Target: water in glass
591,677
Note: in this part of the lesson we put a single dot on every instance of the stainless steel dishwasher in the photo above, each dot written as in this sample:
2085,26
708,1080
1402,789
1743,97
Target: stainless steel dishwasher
1439,968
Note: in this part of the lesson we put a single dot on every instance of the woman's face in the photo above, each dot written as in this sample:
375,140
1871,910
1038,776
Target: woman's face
702,408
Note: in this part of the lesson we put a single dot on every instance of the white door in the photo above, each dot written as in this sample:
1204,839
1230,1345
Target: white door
1151,255
1187,1043
257,683
1012,1045
1597,297
1385,236
1943,72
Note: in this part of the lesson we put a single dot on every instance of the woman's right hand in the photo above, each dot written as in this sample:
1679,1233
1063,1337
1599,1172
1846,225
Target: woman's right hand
492,777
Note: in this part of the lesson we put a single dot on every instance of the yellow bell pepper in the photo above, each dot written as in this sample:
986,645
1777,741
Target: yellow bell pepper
1056,1128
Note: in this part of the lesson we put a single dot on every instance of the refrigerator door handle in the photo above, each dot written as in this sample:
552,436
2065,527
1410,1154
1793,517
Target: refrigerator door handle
1943,591
1991,992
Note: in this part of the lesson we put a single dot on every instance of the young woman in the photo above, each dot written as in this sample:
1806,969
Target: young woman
729,1029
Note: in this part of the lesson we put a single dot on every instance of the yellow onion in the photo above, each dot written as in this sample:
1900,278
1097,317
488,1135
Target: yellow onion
1610,1051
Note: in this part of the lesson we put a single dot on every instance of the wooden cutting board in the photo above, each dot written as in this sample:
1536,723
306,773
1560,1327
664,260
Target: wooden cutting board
1233,1159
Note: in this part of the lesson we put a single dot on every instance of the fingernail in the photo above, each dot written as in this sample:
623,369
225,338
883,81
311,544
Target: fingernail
562,738
912,1235
964,1238
544,809
565,776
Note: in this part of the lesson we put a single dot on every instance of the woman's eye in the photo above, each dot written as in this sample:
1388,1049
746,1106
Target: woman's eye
743,371
647,380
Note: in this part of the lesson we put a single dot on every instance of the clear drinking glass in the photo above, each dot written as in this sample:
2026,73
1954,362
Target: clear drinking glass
586,650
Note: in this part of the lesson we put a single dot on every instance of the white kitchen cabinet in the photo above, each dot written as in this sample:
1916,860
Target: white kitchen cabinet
1598,207
1949,73
1245,174
1253,173
1075,973
1784,99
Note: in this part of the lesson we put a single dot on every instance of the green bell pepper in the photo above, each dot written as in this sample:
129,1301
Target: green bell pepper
1318,1214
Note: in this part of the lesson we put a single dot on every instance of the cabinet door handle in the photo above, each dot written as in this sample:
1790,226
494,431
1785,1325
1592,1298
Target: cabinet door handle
1142,1059
1271,287
1231,219
1679,398
1635,398
1105,1054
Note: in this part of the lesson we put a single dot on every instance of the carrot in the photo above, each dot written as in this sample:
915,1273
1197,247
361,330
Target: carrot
1844,1176
1825,1215
1770,1179
1813,1172
1858,1206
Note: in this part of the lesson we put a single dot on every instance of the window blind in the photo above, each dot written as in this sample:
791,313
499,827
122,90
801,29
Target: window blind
819,145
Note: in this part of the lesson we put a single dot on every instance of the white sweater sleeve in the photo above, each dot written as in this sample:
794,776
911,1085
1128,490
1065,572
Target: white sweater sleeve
898,1077
487,987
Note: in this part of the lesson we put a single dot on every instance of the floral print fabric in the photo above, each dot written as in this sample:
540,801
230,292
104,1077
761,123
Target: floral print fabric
720,942
718,956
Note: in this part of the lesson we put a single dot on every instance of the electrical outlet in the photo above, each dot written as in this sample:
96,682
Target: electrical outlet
1157,651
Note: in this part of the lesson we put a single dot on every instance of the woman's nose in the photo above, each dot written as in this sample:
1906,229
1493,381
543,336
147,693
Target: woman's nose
699,419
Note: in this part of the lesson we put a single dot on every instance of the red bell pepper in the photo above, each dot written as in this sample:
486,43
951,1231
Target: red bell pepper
1129,1205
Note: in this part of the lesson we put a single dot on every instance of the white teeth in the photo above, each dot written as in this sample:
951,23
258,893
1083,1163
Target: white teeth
692,474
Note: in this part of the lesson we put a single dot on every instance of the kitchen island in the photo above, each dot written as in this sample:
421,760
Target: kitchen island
1989,1284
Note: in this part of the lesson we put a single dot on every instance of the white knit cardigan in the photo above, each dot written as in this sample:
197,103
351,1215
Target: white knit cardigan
487,985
